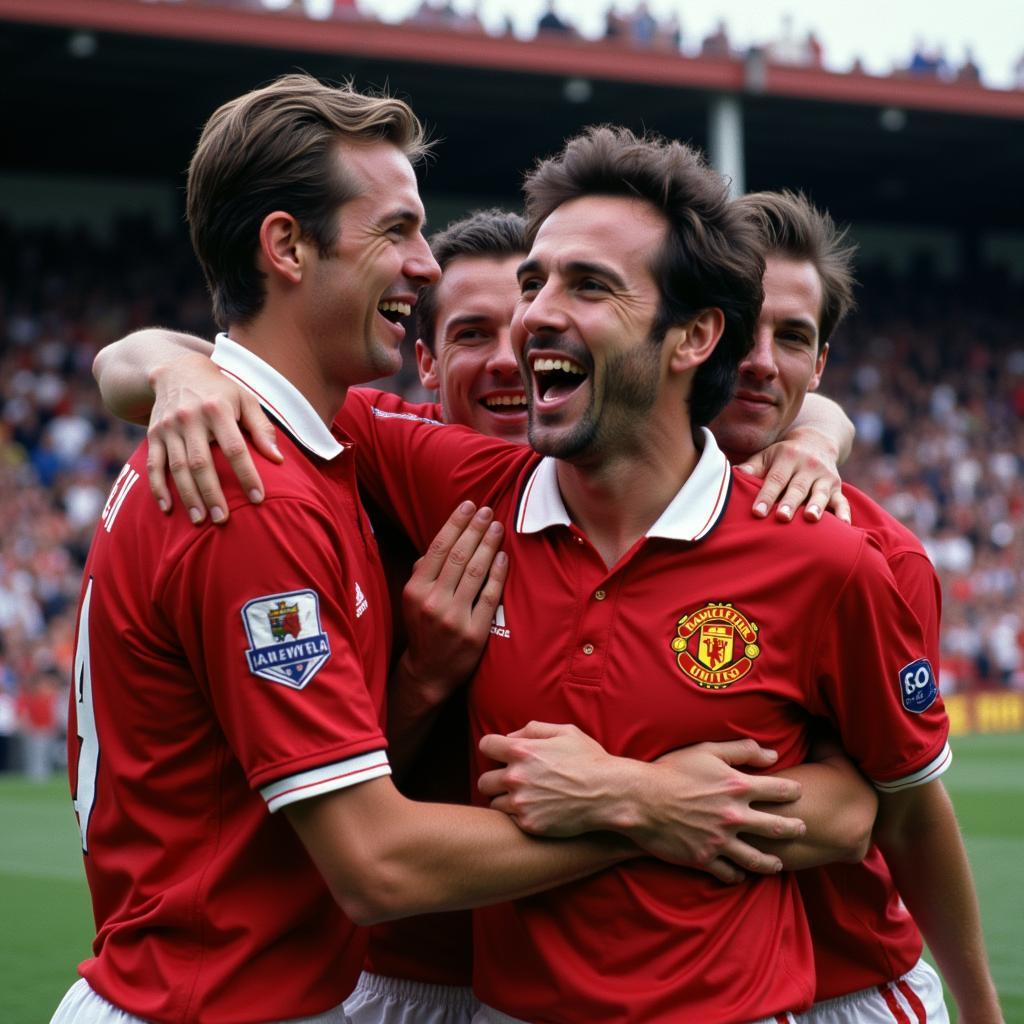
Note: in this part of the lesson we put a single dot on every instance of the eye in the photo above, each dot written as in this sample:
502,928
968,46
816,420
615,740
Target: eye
591,284
530,285
795,338
470,334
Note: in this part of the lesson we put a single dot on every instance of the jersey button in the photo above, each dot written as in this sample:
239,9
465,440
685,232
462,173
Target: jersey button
599,595
588,648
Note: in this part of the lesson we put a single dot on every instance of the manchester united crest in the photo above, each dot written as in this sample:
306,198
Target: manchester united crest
715,645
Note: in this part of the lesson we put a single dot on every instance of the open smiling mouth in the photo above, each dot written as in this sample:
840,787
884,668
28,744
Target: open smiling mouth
394,311
504,403
556,378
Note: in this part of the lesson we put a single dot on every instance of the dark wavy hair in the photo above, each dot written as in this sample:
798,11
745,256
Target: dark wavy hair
711,257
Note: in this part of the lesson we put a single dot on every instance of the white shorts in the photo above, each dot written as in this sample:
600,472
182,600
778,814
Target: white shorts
916,998
380,1000
83,1006
488,1015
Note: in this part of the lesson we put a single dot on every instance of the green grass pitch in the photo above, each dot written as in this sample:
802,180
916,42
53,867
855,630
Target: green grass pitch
47,923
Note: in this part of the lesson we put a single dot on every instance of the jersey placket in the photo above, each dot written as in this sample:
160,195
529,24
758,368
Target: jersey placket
598,587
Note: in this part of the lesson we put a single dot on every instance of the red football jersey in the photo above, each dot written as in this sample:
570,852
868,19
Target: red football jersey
863,934
714,626
220,674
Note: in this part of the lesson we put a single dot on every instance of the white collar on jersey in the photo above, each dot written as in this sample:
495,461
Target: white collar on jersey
277,395
690,515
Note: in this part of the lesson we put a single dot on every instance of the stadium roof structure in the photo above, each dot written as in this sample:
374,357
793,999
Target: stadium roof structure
120,89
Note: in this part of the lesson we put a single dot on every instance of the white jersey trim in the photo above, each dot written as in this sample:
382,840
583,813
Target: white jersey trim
930,771
689,516
325,779
278,395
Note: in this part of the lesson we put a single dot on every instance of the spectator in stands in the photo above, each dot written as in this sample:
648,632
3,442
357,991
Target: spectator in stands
814,49
968,73
36,709
716,43
670,33
787,47
642,26
550,21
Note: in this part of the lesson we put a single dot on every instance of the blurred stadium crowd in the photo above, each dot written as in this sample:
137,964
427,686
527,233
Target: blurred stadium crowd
634,26
931,371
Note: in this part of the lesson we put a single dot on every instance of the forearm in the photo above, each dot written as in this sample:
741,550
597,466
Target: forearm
827,419
124,369
838,806
404,857
919,836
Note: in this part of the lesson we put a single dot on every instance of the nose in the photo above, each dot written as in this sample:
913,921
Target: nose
759,362
420,265
501,360
545,313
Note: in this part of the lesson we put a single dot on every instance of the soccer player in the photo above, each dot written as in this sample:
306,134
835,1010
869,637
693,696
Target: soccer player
867,948
222,676
420,968
623,306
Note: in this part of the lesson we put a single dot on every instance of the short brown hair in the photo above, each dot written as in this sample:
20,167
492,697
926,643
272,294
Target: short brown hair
271,150
710,258
790,225
486,234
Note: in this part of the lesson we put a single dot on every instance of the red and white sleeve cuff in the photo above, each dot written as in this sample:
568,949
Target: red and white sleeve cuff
328,777
930,771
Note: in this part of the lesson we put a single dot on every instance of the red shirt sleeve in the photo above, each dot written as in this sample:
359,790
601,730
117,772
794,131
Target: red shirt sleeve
270,624
920,588
875,681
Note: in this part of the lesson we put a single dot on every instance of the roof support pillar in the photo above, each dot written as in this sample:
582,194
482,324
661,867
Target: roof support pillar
725,135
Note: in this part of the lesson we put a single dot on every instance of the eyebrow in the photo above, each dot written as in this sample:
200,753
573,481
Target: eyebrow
462,321
576,268
800,321
406,214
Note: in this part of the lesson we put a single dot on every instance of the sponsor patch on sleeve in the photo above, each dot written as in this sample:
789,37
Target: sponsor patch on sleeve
918,688
287,644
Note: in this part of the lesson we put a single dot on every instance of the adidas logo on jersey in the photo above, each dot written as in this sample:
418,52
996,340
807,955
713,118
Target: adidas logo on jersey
361,603
498,627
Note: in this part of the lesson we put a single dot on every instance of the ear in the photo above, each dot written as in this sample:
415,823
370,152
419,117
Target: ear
819,368
280,250
426,363
693,343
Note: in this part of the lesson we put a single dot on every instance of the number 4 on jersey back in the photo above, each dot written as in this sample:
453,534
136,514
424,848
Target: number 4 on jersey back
88,740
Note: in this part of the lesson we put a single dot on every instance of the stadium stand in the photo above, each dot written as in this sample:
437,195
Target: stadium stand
932,374
931,369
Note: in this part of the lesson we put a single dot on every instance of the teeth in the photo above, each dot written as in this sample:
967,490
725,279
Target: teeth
565,365
401,308
517,400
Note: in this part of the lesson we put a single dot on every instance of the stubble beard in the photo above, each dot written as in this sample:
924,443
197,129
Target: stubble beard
606,428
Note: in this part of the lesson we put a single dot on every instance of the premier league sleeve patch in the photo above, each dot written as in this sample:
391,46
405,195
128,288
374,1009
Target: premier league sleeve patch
287,644
918,688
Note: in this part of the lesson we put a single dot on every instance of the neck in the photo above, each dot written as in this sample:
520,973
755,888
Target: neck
279,341
616,501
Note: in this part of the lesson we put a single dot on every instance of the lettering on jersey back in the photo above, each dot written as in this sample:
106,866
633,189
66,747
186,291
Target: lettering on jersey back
125,481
